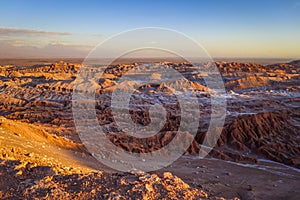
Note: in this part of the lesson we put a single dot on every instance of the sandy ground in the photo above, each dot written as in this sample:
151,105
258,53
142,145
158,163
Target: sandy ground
218,177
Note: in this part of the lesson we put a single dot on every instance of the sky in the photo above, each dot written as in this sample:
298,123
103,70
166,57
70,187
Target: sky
250,28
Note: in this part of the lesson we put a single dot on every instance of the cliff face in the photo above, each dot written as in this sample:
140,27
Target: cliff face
268,134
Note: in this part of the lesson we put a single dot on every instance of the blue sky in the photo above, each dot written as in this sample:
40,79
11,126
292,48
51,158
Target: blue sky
225,28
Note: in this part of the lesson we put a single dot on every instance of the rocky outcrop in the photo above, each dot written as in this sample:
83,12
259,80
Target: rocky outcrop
247,83
268,134
24,181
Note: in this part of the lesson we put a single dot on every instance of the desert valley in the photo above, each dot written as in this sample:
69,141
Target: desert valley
257,155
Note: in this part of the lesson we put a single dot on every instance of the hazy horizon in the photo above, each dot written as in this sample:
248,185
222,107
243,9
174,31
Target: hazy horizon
33,61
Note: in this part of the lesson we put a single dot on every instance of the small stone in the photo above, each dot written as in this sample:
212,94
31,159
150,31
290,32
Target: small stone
67,168
19,173
17,134
147,176
29,154
250,188
93,191
149,188
168,175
